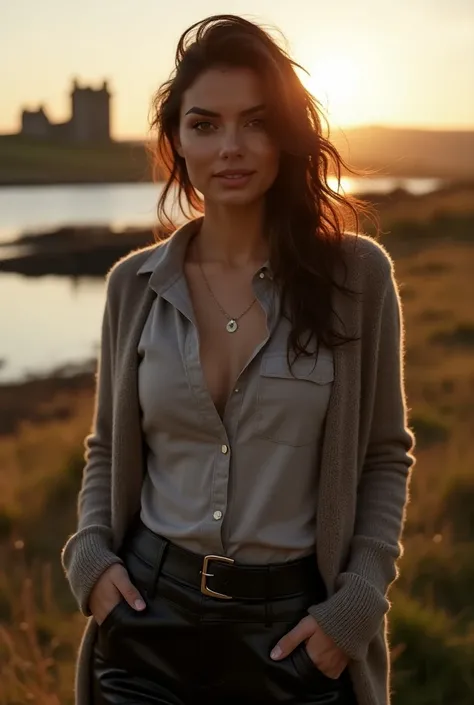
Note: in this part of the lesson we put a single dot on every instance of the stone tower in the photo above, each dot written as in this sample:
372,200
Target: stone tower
90,120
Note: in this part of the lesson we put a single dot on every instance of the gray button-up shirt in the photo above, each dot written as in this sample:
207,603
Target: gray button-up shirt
243,486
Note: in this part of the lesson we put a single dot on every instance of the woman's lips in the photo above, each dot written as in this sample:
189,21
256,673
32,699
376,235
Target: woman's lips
235,178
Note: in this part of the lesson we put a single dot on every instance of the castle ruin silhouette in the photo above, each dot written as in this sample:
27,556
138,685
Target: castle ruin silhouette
89,122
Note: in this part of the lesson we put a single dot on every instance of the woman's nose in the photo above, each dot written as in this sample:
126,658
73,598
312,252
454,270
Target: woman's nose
231,145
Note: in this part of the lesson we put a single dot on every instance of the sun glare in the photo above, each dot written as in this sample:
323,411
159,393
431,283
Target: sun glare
334,81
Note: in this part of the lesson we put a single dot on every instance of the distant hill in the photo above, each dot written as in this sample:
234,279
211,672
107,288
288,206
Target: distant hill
389,151
29,161
409,152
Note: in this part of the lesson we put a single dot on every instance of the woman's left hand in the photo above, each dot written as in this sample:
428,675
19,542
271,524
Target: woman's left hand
322,650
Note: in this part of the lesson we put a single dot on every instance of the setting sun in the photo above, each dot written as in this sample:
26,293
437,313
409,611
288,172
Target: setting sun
335,81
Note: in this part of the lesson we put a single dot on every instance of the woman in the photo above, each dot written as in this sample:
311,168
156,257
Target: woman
246,478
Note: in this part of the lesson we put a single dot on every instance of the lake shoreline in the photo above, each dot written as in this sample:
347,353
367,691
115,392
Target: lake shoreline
125,179
90,251
410,224
73,251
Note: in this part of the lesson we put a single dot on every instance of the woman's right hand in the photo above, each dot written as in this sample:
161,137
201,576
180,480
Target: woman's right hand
112,585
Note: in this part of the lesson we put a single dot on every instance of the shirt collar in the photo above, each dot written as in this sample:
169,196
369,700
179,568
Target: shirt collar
165,263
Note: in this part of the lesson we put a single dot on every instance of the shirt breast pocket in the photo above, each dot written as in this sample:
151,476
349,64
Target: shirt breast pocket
291,409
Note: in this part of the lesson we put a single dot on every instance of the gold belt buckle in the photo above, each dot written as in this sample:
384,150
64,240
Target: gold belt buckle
204,574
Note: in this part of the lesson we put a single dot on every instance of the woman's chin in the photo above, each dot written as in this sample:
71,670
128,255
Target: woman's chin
235,198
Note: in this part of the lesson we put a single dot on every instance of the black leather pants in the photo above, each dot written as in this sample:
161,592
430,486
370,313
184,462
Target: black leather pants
187,648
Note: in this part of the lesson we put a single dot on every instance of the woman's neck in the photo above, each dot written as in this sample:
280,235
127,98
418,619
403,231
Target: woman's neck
233,237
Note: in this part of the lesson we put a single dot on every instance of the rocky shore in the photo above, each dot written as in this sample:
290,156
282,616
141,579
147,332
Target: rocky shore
91,251
72,251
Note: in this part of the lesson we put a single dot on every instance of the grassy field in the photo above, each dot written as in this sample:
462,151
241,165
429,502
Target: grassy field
27,161
42,425
398,152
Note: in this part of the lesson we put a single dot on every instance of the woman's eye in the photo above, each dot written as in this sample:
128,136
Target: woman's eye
206,126
202,126
257,122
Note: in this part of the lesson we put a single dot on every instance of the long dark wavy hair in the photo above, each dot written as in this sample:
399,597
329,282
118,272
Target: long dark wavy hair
305,219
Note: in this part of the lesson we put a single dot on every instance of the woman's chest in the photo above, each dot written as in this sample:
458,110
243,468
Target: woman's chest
230,327
224,355
192,381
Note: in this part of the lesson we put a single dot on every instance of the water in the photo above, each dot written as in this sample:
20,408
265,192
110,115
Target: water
37,208
49,321
46,322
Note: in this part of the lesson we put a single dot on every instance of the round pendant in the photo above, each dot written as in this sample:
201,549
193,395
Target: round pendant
232,326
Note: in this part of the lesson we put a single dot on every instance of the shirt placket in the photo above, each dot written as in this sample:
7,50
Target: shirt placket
223,430
221,459
268,299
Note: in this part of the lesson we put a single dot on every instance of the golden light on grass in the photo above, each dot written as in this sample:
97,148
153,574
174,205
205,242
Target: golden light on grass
431,620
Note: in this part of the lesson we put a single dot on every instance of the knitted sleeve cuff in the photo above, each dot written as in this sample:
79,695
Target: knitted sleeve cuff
84,557
352,616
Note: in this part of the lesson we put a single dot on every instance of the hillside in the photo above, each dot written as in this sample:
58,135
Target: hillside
409,152
388,151
33,162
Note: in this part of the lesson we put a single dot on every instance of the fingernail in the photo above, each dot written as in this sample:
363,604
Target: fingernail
139,604
276,653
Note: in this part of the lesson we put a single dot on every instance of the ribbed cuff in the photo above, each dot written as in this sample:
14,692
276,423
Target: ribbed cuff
352,616
84,557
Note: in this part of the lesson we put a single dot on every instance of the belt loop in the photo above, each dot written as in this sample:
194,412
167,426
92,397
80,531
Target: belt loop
160,556
268,598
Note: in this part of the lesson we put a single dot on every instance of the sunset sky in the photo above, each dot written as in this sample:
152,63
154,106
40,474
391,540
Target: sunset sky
371,62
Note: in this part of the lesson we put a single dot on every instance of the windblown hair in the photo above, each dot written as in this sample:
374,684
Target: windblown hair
306,220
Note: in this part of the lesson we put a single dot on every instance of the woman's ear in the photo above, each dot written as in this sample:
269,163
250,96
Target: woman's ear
177,143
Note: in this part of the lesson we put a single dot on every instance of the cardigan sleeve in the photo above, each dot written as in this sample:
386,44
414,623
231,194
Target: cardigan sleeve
354,613
88,552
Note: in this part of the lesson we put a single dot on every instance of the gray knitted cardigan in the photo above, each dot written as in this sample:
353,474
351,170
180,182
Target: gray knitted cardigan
364,474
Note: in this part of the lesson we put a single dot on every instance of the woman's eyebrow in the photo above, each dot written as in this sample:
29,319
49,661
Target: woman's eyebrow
210,113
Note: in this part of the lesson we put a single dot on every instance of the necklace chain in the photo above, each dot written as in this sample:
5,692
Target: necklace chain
232,321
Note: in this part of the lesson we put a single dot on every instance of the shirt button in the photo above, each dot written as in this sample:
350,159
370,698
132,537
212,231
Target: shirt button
262,275
224,449
217,515
236,390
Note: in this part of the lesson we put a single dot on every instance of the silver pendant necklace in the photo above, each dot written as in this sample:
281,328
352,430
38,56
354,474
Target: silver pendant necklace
232,323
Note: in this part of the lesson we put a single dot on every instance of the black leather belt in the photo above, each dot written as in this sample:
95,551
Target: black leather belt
221,577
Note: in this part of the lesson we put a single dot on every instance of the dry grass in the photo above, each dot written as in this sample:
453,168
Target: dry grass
433,613
37,643
32,457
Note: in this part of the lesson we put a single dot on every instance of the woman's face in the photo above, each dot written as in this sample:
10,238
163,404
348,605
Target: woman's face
223,137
